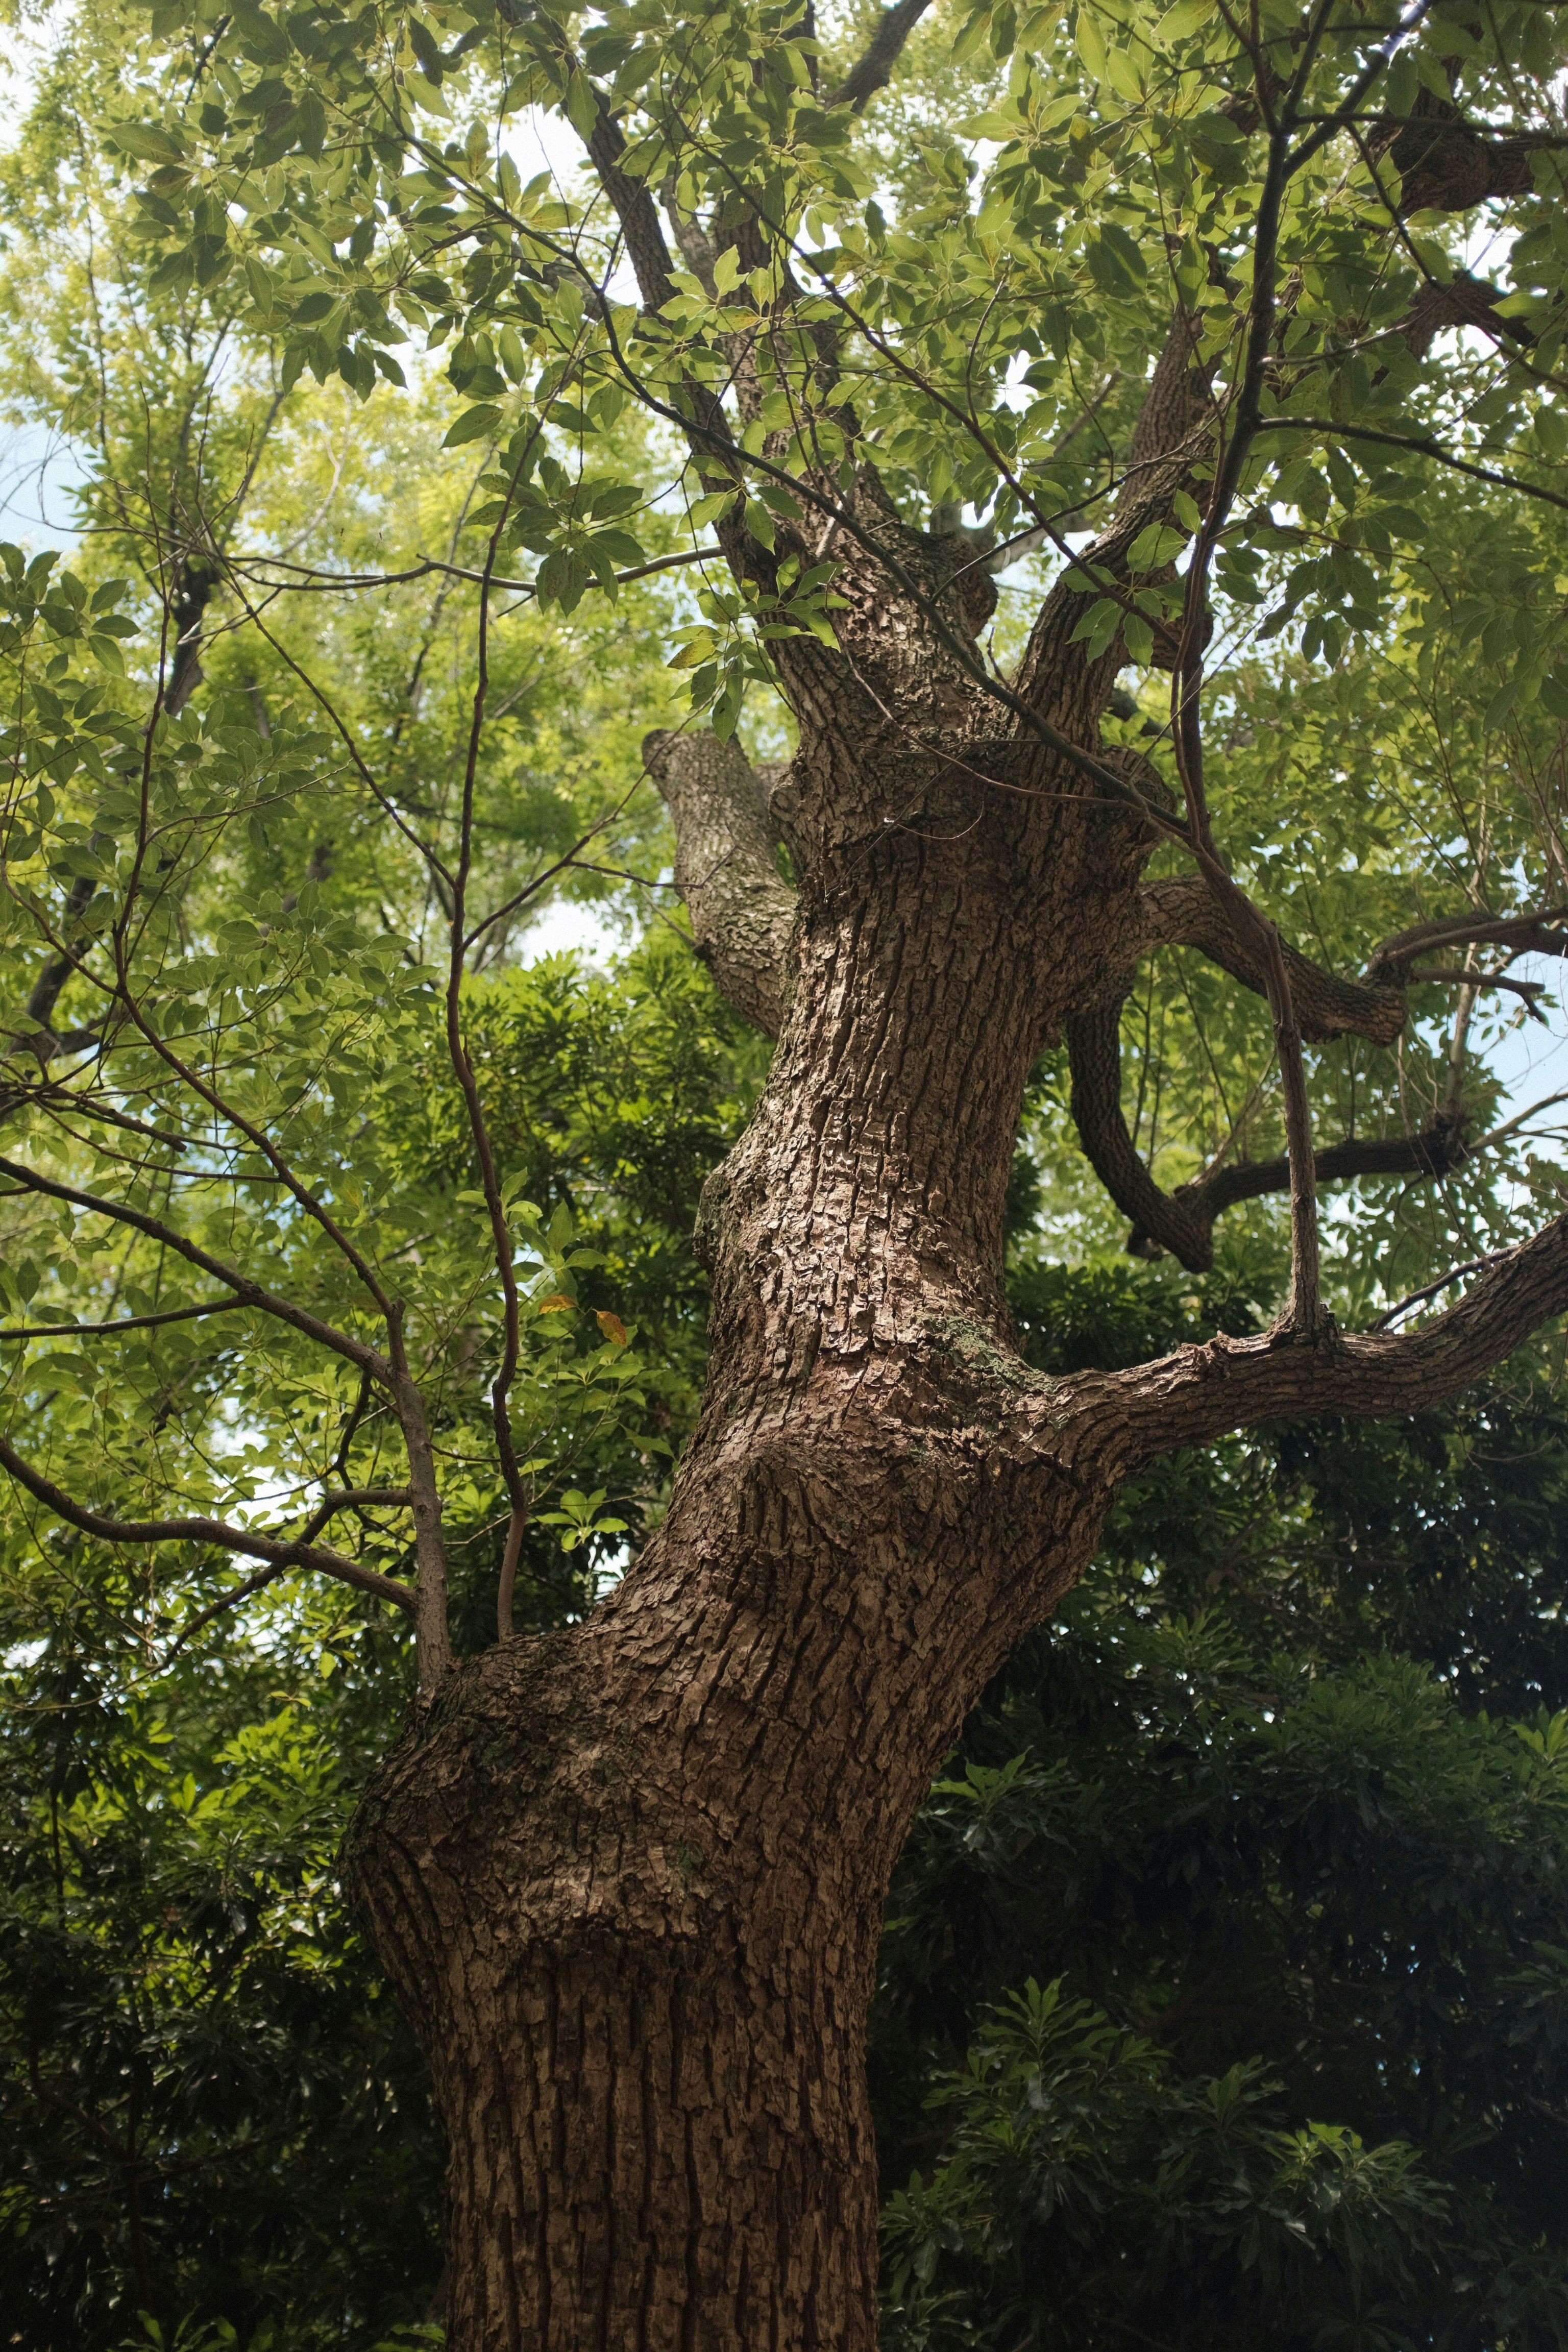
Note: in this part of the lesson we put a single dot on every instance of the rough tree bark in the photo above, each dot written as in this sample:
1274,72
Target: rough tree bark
629,1878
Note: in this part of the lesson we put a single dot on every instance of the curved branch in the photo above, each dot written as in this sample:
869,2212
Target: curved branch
1158,1218
1120,1420
37,1036
1184,912
278,1552
1182,1221
726,869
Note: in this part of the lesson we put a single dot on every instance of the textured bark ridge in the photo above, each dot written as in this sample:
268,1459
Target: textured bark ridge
629,1878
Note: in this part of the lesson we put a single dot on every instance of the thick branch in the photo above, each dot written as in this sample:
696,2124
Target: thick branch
874,70
1122,1420
1094,1058
37,1036
726,869
1445,166
1184,913
634,209
278,1552
702,412
1175,431
1463,301
1437,1152
1182,1223
193,594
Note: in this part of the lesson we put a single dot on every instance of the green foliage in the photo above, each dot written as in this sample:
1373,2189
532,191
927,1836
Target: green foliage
1223,1998
1276,1810
1070,2149
211,2105
210,2108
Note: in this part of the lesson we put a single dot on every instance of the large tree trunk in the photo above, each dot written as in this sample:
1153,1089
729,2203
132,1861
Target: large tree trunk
628,1879
629,1883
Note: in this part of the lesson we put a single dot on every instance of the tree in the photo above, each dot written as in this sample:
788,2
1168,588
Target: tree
1193,333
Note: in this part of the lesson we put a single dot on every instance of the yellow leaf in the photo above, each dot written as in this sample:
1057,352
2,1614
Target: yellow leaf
559,1305
611,1326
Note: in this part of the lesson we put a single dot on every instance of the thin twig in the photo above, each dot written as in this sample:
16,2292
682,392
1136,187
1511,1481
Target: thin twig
121,1323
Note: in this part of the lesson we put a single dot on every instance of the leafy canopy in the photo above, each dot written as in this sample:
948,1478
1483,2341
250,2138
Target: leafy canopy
367,417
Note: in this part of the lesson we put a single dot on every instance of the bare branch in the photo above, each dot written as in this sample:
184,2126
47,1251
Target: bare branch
507,1584
432,1632
281,1552
1430,976
1120,1420
246,1292
122,1322
1529,934
1419,446
457,1047
1188,912
310,580
1433,1290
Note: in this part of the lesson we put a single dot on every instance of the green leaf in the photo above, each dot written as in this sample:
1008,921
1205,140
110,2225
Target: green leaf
1156,546
147,142
472,425
311,123
1123,75
265,39
1115,263
970,34
1090,41
1502,703
1186,17
1138,638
